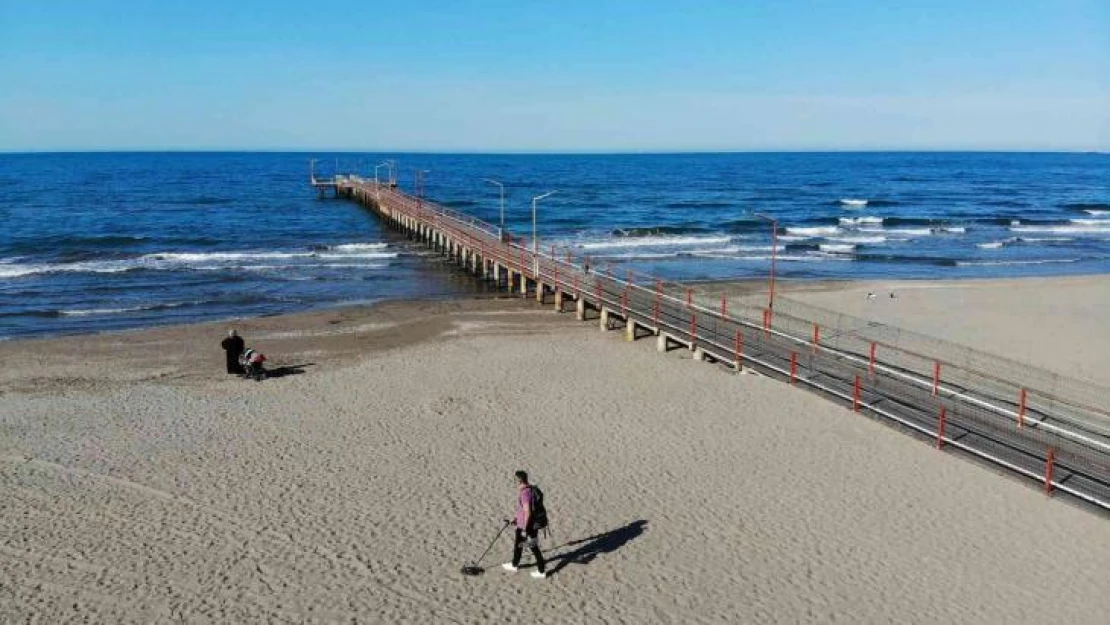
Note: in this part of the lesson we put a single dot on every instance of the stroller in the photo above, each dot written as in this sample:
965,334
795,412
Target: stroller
251,361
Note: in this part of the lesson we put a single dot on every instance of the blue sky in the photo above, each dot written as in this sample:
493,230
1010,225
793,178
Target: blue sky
555,76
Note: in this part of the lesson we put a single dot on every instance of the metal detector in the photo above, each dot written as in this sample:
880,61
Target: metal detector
474,567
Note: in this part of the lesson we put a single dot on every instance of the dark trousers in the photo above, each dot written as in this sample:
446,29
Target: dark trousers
531,538
233,365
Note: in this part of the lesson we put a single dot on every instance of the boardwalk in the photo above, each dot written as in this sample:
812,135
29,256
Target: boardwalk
1056,433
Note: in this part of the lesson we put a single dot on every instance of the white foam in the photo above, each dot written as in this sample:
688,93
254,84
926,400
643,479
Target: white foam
909,232
815,258
658,241
1042,239
815,231
855,221
370,255
636,256
993,245
201,257
1065,229
858,240
1096,212
116,311
1091,222
837,248
852,203
106,266
997,263
358,247
952,229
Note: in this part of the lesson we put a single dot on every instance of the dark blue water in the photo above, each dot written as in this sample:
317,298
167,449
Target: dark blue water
107,241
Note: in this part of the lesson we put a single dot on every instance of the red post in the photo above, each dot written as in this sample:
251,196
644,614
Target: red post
724,306
816,337
936,377
630,277
577,293
871,365
693,327
1021,410
793,367
739,346
941,420
624,303
1049,466
766,322
689,297
556,277
856,396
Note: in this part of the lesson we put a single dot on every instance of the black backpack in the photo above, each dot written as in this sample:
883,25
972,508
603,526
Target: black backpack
539,512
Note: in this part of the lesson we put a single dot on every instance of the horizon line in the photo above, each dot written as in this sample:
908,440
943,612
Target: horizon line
326,150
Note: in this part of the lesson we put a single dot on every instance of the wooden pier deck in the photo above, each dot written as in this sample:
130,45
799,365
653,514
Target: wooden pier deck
1060,439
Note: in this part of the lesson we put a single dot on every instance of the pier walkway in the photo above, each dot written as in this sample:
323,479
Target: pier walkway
1039,425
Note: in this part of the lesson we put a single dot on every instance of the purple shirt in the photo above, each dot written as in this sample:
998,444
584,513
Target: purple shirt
523,499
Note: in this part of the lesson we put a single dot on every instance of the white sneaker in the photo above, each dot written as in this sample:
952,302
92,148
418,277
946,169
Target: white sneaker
508,566
539,575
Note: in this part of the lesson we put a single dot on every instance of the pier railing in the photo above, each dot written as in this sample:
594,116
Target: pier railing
1040,424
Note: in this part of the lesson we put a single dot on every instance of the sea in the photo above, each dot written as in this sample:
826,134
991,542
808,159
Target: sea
94,242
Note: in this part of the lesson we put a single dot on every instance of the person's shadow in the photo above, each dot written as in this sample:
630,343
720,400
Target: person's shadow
280,372
589,548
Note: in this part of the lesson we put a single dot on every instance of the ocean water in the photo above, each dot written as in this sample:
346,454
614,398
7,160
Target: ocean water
93,242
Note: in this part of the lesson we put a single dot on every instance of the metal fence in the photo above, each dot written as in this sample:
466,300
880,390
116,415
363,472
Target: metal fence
1038,423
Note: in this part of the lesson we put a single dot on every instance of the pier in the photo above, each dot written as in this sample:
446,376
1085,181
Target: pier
1036,424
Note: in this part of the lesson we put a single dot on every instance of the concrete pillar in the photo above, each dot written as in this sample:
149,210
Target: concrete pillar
558,300
523,285
497,274
603,323
580,309
630,330
539,292
661,343
699,354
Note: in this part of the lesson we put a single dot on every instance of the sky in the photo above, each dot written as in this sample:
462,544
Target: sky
567,76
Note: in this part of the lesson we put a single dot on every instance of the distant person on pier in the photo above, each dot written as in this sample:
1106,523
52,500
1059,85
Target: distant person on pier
233,346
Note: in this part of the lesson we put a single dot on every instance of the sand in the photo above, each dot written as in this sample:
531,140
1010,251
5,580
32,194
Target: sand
139,483
1055,323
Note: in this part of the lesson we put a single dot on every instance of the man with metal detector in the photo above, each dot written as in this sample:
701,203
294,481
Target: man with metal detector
530,518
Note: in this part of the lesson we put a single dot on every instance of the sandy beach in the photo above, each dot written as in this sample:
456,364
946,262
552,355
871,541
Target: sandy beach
140,483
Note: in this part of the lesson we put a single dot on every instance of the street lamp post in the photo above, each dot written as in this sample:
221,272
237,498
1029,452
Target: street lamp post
774,250
535,240
376,168
491,181
420,183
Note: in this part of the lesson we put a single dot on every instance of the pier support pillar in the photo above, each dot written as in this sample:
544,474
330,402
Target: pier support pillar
580,309
497,274
629,329
523,285
661,343
539,292
699,354
558,300
603,322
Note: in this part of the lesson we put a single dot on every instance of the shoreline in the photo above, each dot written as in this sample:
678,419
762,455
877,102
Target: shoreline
745,287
